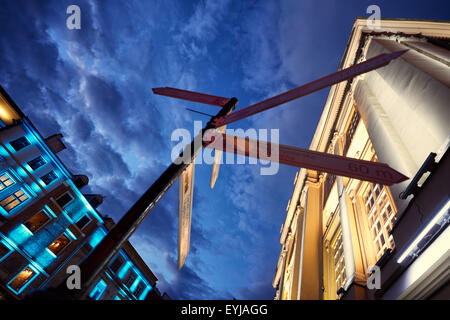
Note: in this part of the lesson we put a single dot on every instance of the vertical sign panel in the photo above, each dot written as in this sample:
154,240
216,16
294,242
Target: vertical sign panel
217,159
185,213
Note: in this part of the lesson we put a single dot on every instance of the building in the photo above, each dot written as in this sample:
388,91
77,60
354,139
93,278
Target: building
48,224
339,232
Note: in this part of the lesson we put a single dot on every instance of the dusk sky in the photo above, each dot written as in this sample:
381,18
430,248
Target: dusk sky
93,85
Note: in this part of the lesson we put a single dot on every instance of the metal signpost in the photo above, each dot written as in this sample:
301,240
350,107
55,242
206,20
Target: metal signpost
97,260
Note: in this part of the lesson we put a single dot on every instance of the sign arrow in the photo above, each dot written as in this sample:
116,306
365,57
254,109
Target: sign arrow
191,96
336,77
376,172
186,192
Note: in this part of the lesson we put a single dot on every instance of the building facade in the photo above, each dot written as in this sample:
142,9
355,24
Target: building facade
47,224
349,239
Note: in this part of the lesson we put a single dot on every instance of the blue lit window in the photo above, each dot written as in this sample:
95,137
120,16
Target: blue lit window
117,298
36,163
19,143
5,181
49,177
98,290
24,278
14,200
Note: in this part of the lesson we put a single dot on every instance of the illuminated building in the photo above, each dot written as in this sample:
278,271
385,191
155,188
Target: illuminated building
47,224
336,228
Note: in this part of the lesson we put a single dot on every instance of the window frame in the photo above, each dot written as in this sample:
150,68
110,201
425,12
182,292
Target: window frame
62,195
42,225
59,253
11,143
27,283
2,184
40,157
51,174
16,198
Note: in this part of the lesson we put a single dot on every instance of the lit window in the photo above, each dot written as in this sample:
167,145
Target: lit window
22,279
49,177
338,259
36,163
380,215
5,181
37,221
82,222
14,200
64,200
59,244
19,143
98,290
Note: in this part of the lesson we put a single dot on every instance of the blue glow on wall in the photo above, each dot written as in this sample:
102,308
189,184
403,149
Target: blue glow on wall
45,258
20,234
96,237
123,271
144,293
98,290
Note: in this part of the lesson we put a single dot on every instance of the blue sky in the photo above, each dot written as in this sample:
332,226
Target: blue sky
94,86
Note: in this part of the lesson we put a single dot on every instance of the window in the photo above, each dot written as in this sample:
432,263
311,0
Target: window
64,200
22,279
36,163
36,221
117,263
14,200
4,250
130,278
59,244
5,181
98,290
380,213
49,177
19,143
139,289
82,222
338,259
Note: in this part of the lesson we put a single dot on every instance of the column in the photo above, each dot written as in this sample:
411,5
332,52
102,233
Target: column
312,262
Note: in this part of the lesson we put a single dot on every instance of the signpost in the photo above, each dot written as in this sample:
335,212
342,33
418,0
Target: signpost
97,260
376,172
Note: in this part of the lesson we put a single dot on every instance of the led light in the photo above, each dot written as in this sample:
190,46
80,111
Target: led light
431,224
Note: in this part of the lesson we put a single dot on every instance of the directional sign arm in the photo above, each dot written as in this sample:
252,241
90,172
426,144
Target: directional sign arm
191,96
357,69
186,192
343,166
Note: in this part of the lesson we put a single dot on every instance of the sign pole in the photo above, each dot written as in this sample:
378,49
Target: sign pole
98,258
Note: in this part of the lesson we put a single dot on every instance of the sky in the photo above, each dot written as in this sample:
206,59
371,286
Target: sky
93,85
